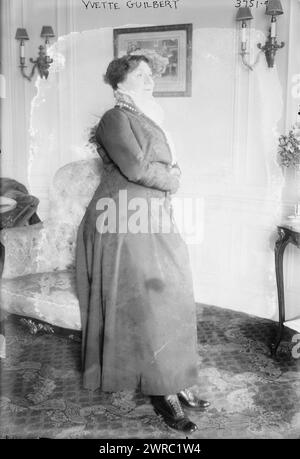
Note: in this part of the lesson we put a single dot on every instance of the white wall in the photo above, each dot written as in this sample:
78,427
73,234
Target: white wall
225,134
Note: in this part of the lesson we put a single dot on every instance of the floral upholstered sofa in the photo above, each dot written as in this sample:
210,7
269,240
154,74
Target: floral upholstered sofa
38,275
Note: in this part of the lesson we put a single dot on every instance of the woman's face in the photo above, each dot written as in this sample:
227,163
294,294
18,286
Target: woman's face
139,80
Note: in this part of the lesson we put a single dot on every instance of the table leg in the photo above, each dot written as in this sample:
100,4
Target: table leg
2,339
280,246
2,256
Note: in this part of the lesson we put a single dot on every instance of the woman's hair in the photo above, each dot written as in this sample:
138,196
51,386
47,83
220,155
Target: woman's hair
118,68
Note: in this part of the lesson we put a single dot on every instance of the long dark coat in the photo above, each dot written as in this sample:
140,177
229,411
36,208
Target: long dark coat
135,288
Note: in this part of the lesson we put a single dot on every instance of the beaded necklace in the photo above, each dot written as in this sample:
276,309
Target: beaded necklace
130,107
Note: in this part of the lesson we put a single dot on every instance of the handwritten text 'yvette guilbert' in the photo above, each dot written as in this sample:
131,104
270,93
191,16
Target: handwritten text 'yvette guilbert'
130,4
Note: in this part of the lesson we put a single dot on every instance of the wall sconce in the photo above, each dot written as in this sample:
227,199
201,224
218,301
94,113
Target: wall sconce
271,46
43,61
274,8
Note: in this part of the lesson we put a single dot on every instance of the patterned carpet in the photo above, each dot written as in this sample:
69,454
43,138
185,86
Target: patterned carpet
252,395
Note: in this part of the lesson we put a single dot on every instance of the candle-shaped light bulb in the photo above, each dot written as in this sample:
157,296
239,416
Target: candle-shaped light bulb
2,87
22,49
273,27
46,46
244,32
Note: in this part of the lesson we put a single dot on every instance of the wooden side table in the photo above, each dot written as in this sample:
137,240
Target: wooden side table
289,233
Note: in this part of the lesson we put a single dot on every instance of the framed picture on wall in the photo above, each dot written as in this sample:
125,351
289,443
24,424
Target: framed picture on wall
170,50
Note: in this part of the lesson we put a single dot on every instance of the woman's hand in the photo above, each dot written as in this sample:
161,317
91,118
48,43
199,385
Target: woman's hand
175,170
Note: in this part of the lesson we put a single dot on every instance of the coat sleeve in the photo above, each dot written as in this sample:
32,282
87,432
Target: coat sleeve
114,133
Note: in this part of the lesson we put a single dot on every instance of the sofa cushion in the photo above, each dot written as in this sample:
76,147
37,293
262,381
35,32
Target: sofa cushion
38,248
50,297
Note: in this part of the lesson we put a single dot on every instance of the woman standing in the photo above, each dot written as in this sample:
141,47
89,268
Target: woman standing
133,274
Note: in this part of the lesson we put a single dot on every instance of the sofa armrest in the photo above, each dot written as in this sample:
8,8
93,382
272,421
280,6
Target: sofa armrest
36,248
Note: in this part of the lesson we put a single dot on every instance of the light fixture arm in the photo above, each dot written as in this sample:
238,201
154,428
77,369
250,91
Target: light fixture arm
244,53
22,66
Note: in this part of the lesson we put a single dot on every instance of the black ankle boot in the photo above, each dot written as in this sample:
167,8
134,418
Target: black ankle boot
170,409
190,400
